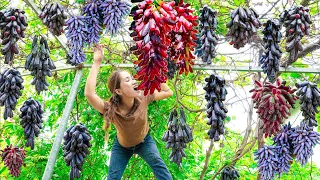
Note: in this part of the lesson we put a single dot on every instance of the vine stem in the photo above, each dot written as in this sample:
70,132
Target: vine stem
248,130
77,120
260,140
240,153
178,99
235,159
208,154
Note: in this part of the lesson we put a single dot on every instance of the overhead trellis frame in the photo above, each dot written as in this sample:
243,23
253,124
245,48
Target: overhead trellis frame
74,89
201,67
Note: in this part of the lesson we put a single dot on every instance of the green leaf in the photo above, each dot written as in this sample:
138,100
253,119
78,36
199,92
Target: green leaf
228,119
295,75
222,59
65,78
80,1
8,141
4,168
239,2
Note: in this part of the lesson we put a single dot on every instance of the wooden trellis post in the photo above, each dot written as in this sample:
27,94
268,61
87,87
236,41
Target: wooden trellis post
62,127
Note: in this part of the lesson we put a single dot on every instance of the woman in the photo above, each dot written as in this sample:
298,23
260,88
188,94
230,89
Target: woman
127,110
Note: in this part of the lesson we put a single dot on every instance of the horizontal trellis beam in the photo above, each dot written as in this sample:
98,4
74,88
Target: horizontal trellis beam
203,67
256,69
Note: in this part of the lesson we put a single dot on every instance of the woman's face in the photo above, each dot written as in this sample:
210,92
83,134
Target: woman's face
128,85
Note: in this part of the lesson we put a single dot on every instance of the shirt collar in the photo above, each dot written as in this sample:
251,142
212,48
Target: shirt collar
136,104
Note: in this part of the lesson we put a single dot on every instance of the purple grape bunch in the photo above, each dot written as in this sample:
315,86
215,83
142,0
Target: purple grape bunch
216,111
290,143
76,148
285,149
31,120
268,161
77,33
113,11
198,51
270,58
297,21
303,140
229,173
93,16
309,95
53,15
172,67
11,85
208,38
177,136
13,23
40,64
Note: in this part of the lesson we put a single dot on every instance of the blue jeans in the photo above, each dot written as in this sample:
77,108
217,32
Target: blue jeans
147,150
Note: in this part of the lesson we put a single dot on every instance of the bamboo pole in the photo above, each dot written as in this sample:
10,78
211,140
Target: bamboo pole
62,127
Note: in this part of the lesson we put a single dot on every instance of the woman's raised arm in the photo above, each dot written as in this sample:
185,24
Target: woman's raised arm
164,93
90,89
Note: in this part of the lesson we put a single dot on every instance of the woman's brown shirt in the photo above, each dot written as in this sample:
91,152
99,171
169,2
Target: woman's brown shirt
132,128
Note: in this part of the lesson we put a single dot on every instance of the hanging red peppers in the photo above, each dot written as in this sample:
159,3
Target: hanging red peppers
149,30
154,26
273,103
183,36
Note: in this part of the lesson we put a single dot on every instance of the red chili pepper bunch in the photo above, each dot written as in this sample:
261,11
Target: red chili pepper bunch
157,27
183,36
273,103
13,159
151,22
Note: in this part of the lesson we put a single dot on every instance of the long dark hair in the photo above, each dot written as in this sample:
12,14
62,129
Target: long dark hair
113,84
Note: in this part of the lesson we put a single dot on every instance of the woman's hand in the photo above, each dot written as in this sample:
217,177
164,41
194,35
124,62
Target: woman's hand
164,93
98,53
